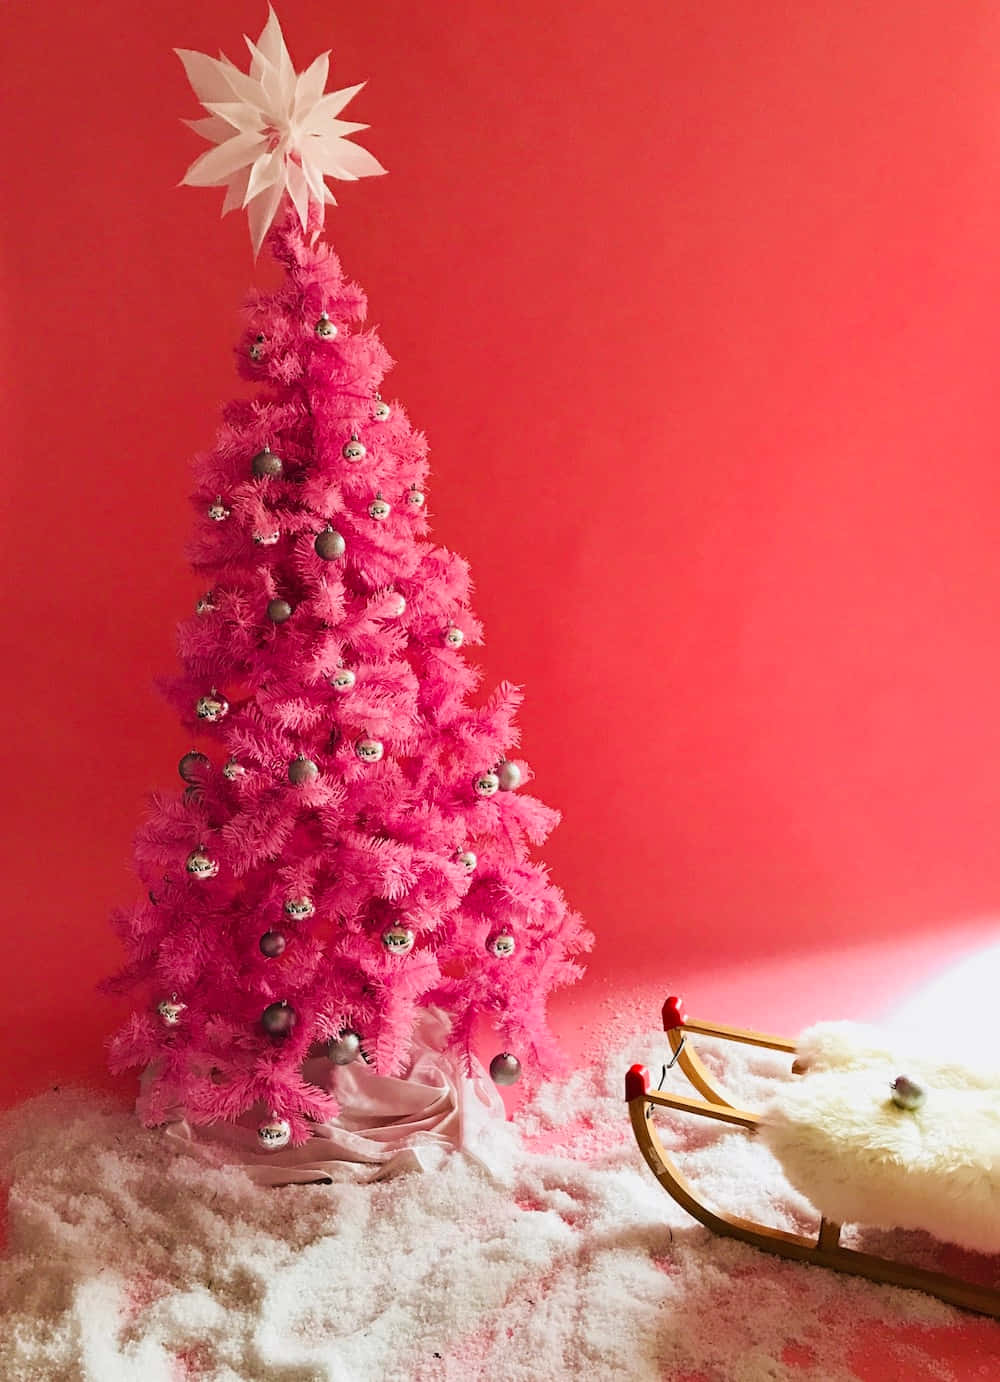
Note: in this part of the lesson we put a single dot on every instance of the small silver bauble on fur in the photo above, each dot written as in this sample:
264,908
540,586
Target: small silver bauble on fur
193,765
468,859
257,348
274,1134
329,544
300,907
278,611
398,940
201,865
343,679
206,604
302,770
233,770
170,1010
267,539
218,511
907,1094
454,637
381,410
505,1069
325,328
212,707
502,945
354,450
396,606
415,498
369,750
266,463
345,1048
487,785
379,509
509,775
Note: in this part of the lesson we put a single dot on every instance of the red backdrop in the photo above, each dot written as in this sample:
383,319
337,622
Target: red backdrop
697,304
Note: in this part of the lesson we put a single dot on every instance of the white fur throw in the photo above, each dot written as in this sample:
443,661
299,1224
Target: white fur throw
843,1143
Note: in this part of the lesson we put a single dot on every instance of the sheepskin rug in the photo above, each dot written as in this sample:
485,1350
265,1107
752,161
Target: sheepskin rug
131,1261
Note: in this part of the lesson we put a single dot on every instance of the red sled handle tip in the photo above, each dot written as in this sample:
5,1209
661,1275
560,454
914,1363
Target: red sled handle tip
673,1013
636,1083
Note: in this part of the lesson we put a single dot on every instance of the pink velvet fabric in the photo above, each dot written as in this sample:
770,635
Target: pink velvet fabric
387,1125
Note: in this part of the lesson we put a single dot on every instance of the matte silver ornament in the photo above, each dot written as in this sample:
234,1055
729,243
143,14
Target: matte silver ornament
325,328
369,750
381,410
206,604
487,785
201,865
329,544
398,940
217,511
379,508
267,539
302,770
278,611
907,1094
272,944
234,770
505,1069
354,450
170,1010
454,637
212,707
274,1134
279,1019
503,945
345,1048
266,463
416,498
343,679
468,859
397,606
510,776
299,908
193,765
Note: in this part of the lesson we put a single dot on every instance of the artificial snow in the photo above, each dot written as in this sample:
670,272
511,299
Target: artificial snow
129,1259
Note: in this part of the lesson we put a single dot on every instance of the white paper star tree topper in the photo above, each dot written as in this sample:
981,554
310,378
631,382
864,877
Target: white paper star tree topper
274,131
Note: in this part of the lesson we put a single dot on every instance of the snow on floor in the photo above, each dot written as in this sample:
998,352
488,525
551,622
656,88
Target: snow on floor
129,1261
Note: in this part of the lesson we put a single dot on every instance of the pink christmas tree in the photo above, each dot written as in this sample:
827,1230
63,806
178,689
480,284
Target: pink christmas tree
354,843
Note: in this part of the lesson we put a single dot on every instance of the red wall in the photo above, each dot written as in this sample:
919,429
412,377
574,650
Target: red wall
697,304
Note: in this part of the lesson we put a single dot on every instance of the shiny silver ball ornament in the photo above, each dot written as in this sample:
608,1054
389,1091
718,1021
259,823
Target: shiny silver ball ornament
206,604
192,766
201,865
343,679
510,776
354,450
454,637
217,511
397,606
272,944
381,412
170,1011
302,770
398,940
212,708
329,545
325,328
487,785
233,770
503,945
345,1048
279,1019
267,539
256,351
505,1069
379,509
274,1134
298,908
278,611
468,859
907,1094
416,498
266,463
369,750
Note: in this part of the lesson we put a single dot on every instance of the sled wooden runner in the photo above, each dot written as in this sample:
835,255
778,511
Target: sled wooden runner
823,1251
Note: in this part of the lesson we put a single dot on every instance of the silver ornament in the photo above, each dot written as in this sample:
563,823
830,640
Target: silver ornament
415,498
267,539
233,770
170,1010
369,750
487,785
278,611
325,328
454,637
510,776
379,509
354,450
343,679
201,865
266,463
274,1134
300,907
397,608
206,604
212,707
329,545
907,1094
468,859
345,1048
505,1069
218,511
503,945
381,410
398,940
302,770
256,351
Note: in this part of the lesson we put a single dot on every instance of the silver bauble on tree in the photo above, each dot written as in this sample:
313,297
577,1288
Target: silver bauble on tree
505,1069
266,464
274,1134
345,1048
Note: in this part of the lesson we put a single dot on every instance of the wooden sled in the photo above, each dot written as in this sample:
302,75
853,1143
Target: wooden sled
826,1249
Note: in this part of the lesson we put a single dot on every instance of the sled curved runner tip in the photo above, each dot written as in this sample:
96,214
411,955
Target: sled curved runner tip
825,1250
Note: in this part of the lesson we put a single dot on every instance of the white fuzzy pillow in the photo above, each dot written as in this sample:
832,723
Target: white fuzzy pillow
844,1144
